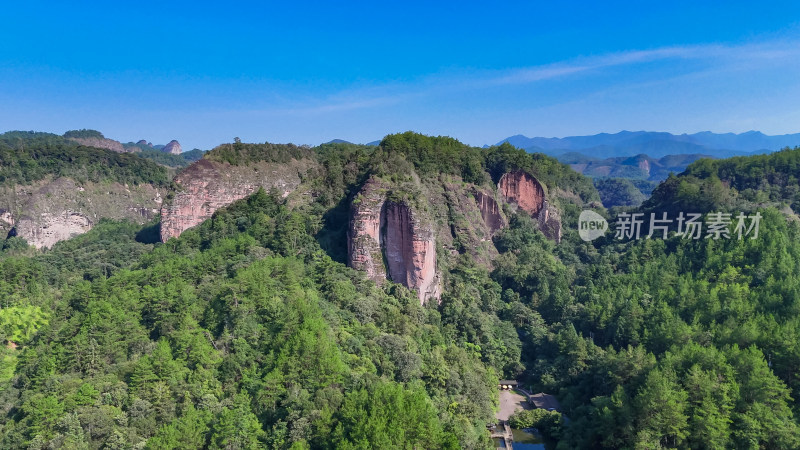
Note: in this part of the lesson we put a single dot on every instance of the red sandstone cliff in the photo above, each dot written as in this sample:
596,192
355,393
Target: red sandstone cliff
523,189
207,186
389,239
528,194
364,250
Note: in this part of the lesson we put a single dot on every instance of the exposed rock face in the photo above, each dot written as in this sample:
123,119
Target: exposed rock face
207,186
97,142
521,188
49,211
174,147
382,230
550,222
410,251
364,250
143,142
528,194
490,211
47,229
645,166
6,218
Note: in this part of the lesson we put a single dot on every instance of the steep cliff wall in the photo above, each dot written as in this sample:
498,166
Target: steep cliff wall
389,239
49,211
364,250
523,189
527,193
490,210
410,250
206,186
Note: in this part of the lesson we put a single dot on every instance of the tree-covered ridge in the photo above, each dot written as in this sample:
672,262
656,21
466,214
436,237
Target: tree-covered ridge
240,334
170,160
239,153
734,183
83,134
427,156
619,192
780,168
26,157
431,156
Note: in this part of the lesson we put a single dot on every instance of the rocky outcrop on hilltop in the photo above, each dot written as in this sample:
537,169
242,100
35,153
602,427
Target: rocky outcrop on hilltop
207,186
97,142
391,239
395,236
174,148
53,210
521,188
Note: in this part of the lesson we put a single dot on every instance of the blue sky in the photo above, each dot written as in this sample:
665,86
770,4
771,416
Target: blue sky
306,72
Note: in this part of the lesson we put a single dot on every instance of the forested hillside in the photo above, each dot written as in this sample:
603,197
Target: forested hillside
26,157
249,331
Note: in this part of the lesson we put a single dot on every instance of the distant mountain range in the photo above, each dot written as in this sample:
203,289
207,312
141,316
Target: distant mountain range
657,144
641,166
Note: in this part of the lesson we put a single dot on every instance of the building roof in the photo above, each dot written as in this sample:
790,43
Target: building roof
545,401
510,382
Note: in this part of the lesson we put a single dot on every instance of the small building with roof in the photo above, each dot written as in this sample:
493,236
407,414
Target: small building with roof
508,384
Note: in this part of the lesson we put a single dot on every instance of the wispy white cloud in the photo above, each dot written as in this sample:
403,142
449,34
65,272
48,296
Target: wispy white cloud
341,105
697,59
712,54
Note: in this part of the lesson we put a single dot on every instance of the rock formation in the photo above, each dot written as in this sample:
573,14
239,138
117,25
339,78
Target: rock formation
523,189
6,217
527,193
490,210
388,239
174,148
549,220
364,239
206,186
410,250
49,211
97,142
46,229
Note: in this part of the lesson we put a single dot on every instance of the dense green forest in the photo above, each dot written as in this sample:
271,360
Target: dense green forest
27,156
168,159
249,332
83,134
619,192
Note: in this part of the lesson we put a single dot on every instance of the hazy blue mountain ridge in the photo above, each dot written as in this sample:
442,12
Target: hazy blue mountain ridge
657,144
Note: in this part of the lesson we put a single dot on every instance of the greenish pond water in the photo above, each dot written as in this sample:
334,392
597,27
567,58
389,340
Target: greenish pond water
523,440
